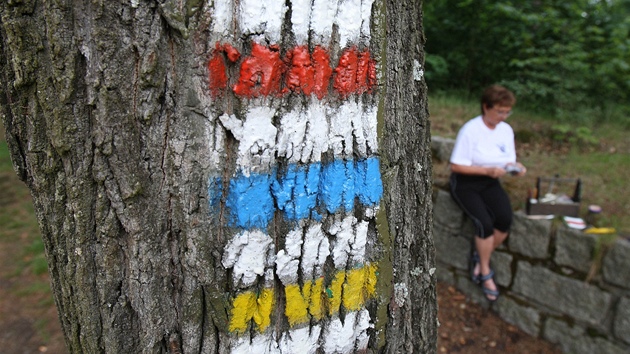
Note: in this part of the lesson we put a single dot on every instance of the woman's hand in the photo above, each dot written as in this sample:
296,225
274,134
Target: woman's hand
516,169
495,172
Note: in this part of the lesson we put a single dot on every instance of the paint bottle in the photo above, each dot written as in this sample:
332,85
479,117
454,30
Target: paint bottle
592,218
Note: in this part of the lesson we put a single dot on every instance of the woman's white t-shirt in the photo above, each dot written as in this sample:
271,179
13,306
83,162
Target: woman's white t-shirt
478,145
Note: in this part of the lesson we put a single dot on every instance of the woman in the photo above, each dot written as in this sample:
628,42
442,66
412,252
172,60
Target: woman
484,151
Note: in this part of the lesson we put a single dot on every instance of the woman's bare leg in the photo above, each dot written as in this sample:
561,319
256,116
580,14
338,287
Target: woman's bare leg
499,238
485,247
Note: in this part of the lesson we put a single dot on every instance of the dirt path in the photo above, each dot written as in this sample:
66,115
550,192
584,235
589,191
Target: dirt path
468,328
28,317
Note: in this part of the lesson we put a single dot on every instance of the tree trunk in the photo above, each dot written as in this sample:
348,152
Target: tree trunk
227,176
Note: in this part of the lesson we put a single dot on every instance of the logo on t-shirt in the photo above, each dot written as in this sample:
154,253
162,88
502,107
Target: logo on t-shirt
501,147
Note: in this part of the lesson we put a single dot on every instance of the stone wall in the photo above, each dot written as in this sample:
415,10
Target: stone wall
556,283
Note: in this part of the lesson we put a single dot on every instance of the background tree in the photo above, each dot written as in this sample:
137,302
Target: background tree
222,176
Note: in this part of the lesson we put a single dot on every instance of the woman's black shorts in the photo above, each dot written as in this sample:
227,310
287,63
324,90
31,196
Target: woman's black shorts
484,201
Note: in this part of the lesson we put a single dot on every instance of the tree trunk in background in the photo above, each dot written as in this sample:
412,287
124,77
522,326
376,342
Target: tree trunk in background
227,176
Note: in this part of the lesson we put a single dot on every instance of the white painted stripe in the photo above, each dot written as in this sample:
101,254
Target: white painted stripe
257,138
366,15
288,259
350,241
301,340
319,16
338,338
304,134
352,18
259,344
313,254
300,18
250,254
322,20
340,137
316,250
349,21
222,15
257,16
349,335
353,125
369,123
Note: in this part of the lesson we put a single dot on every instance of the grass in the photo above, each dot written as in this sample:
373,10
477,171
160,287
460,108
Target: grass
24,258
599,155
19,230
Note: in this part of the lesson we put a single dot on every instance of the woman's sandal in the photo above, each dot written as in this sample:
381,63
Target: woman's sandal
474,262
487,291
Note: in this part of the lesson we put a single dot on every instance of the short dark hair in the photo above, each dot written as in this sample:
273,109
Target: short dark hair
497,95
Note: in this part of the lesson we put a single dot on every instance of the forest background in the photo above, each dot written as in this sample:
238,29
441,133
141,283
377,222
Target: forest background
568,63
565,58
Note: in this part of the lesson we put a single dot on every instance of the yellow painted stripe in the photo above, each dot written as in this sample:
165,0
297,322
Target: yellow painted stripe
262,316
296,308
360,285
304,302
247,306
316,291
352,288
334,292
243,308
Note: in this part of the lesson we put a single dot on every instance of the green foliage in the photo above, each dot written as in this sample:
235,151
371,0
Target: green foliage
438,65
580,136
567,58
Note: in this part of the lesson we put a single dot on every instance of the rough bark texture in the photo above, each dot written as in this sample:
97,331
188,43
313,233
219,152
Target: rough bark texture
110,123
407,176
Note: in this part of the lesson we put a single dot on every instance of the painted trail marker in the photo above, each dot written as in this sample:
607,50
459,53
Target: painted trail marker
302,200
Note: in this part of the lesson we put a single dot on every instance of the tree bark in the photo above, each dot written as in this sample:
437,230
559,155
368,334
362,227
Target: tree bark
212,176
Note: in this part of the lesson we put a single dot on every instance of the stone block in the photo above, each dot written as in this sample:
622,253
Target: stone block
501,263
574,339
442,148
473,291
451,249
530,237
468,229
621,326
575,249
574,298
446,212
444,275
525,318
616,264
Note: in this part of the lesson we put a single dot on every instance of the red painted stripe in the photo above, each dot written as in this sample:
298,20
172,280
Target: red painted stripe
216,67
301,74
345,81
264,73
261,72
323,72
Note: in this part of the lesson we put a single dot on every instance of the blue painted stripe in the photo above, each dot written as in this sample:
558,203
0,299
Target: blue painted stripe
249,201
299,191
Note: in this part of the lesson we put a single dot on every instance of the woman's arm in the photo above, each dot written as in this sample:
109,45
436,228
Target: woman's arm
494,172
